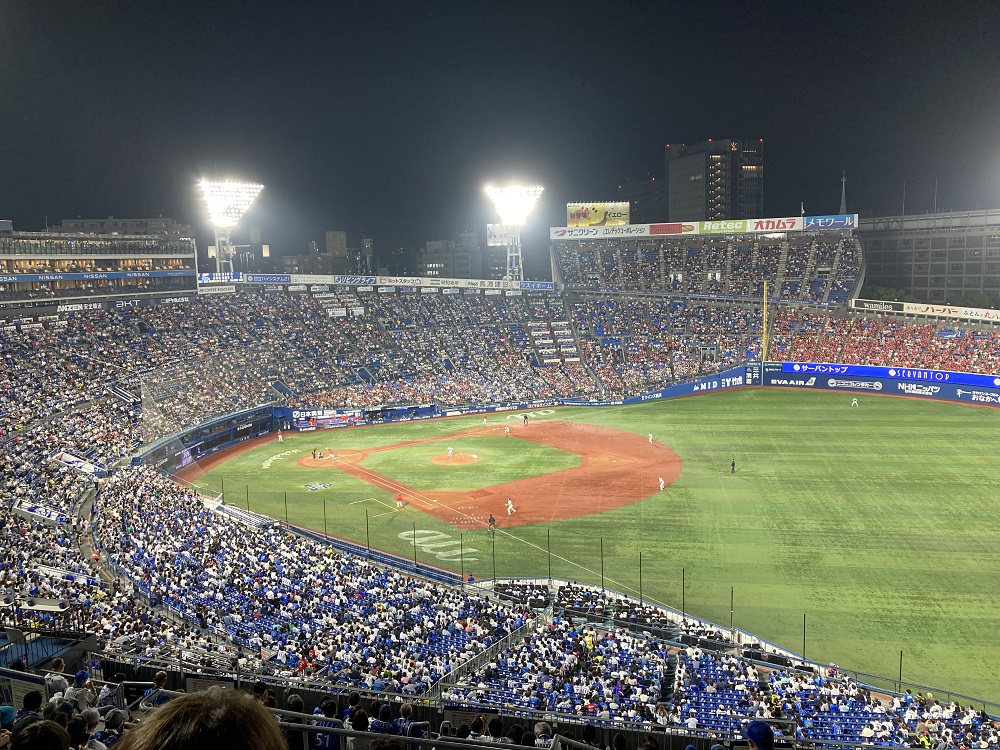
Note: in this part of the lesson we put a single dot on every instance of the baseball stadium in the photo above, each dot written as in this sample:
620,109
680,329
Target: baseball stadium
693,480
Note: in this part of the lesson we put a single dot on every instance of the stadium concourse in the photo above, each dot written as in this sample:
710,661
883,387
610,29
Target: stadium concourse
156,572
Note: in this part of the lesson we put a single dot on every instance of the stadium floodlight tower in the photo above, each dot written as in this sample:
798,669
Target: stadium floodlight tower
514,203
227,202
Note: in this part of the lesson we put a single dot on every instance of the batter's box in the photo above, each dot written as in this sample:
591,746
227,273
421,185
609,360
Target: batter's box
608,461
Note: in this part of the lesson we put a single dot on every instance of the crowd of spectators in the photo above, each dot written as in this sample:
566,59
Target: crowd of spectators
640,344
311,607
607,675
819,269
883,341
312,611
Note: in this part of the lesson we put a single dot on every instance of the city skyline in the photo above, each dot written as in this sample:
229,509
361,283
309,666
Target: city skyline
387,121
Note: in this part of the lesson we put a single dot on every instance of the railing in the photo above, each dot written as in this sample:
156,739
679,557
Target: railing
489,653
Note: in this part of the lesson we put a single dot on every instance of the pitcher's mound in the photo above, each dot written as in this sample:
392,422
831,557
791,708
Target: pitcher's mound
456,460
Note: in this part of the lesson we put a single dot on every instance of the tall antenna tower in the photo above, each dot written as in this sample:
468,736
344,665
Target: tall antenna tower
843,193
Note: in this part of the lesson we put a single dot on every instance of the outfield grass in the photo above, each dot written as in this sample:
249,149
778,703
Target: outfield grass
879,523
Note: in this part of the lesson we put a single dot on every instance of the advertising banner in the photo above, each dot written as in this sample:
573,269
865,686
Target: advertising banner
891,373
81,465
600,214
877,305
824,223
787,224
675,228
500,235
401,280
224,289
39,511
325,418
733,378
734,226
953,390
18,278
268,278
950,311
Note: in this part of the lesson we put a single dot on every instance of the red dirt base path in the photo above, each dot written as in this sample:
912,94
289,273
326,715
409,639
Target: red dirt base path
617,468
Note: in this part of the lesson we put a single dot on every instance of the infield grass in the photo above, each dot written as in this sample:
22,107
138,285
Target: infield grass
497,460
880,524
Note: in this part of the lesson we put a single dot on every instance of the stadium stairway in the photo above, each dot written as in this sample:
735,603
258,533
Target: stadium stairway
668,680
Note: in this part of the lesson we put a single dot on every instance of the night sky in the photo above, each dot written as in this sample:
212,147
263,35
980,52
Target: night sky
386,119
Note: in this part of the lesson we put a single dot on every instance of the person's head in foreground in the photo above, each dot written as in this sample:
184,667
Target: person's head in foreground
760,735
217,719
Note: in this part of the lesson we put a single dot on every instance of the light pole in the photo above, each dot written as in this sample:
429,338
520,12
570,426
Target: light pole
227,202
514,203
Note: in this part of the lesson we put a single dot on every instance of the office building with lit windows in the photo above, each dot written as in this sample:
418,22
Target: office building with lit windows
716,179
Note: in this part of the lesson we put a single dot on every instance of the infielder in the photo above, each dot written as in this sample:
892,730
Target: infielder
506,429
510,507
662,483
650,436
451,452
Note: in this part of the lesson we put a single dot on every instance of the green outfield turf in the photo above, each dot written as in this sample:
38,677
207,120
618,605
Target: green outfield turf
879,523
496,460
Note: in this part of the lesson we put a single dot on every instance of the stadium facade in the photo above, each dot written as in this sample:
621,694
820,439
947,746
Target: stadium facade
40,267
937,257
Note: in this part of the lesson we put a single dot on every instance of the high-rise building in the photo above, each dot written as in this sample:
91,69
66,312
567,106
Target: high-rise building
716,179
367,263
437,258
647,200
460,258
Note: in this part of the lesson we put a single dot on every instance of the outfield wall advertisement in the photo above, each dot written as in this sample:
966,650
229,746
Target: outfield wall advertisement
885,381
686,228
313,280
921,308
734,378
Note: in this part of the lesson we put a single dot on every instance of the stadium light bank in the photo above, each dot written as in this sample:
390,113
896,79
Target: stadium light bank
514,203
227,202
